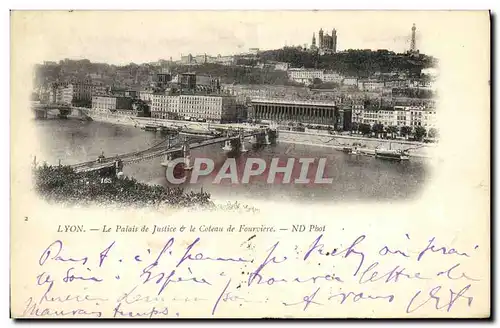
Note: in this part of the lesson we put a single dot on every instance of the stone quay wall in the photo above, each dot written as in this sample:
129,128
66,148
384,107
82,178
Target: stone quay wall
416,149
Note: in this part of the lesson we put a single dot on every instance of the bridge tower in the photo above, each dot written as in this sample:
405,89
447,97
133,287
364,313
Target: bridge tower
119,168
183,152
272,135
228,146
242,142
170,157
186,153
265,137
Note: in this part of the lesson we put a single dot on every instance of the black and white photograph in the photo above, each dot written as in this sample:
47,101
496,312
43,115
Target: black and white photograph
250,164
241,122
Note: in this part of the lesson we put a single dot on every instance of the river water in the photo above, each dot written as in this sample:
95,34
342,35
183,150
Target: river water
355,178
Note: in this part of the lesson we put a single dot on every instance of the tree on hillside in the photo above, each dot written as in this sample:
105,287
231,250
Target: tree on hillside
362,63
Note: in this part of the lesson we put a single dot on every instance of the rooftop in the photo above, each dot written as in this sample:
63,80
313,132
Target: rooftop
305,69
195,95
293,102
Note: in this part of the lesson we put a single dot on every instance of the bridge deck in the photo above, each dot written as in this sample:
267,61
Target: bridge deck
155,151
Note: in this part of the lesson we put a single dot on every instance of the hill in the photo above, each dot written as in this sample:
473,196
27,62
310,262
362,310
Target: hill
239,74
359,63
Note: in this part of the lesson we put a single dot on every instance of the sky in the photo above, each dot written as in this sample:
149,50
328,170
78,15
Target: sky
121,37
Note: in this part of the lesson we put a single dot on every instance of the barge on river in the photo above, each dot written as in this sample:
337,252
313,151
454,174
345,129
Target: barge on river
392,154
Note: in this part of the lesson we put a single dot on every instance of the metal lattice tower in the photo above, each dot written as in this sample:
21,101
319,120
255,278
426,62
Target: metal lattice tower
413,45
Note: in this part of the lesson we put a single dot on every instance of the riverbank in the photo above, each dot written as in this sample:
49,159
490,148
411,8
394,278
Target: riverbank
416,149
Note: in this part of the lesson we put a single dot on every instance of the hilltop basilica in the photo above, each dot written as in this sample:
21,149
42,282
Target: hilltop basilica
326,43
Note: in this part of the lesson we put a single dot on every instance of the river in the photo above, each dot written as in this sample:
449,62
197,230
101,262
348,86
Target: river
355,178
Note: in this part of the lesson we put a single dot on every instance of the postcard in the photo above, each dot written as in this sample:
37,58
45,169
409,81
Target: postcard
250,164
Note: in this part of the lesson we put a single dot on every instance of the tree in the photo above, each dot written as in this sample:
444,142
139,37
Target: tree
325,85
63,184
378,128
355,126
365,128
392,130
420,133
350,63
405,131
142,107
433,133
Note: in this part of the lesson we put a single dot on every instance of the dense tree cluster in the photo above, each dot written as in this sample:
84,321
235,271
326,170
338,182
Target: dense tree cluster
112,75
63,185
412,93
359,63
417,134
239,74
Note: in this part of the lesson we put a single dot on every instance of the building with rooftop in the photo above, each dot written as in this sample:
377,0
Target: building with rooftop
106,103
281,110
281,66
212,108
75,92
304,76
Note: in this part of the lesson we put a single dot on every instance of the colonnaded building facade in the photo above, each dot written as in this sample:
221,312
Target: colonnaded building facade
294,111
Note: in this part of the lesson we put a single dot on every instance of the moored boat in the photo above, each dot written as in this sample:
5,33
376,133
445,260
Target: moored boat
168,130
194,131
347,150
350,150
392,154
152,128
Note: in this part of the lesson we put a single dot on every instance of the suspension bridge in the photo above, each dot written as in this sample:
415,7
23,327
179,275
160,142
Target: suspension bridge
168,149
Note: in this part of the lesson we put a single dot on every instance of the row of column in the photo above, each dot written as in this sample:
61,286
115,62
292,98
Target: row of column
294,113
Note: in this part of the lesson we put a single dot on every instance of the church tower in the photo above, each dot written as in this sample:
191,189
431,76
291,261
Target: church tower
320,39
313,41
334,40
